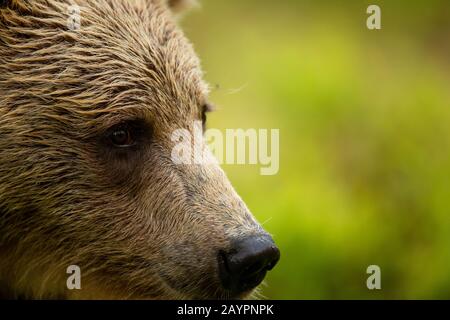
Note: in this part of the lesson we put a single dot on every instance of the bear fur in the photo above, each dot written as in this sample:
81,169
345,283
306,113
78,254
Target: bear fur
137,225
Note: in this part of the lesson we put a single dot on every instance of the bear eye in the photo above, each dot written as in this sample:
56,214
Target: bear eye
205,109
204,117
128,134
122,136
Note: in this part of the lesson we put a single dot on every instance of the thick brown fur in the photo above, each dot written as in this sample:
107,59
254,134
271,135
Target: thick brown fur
136,224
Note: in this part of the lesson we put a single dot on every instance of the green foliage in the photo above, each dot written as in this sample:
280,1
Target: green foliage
364,138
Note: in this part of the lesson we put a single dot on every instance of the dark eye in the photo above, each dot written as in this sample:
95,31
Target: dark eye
205,109
121,138
126,134
204,117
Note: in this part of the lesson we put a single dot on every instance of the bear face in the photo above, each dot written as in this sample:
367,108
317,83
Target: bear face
86,175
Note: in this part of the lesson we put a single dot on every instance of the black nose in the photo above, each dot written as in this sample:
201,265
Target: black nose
244,266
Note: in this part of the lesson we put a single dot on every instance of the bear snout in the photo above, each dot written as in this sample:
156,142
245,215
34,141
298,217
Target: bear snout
244,266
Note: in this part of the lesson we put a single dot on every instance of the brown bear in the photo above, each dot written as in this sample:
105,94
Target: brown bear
90,92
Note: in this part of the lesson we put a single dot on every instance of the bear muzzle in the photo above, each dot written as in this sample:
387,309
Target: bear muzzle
245,264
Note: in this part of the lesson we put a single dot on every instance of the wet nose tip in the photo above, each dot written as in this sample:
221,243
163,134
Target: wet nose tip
244,266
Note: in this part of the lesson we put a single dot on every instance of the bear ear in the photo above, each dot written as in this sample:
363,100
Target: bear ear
179,6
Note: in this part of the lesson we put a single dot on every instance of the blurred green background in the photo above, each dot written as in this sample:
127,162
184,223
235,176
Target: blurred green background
364,119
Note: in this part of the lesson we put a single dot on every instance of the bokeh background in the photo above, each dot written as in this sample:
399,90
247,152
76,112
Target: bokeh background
364,119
